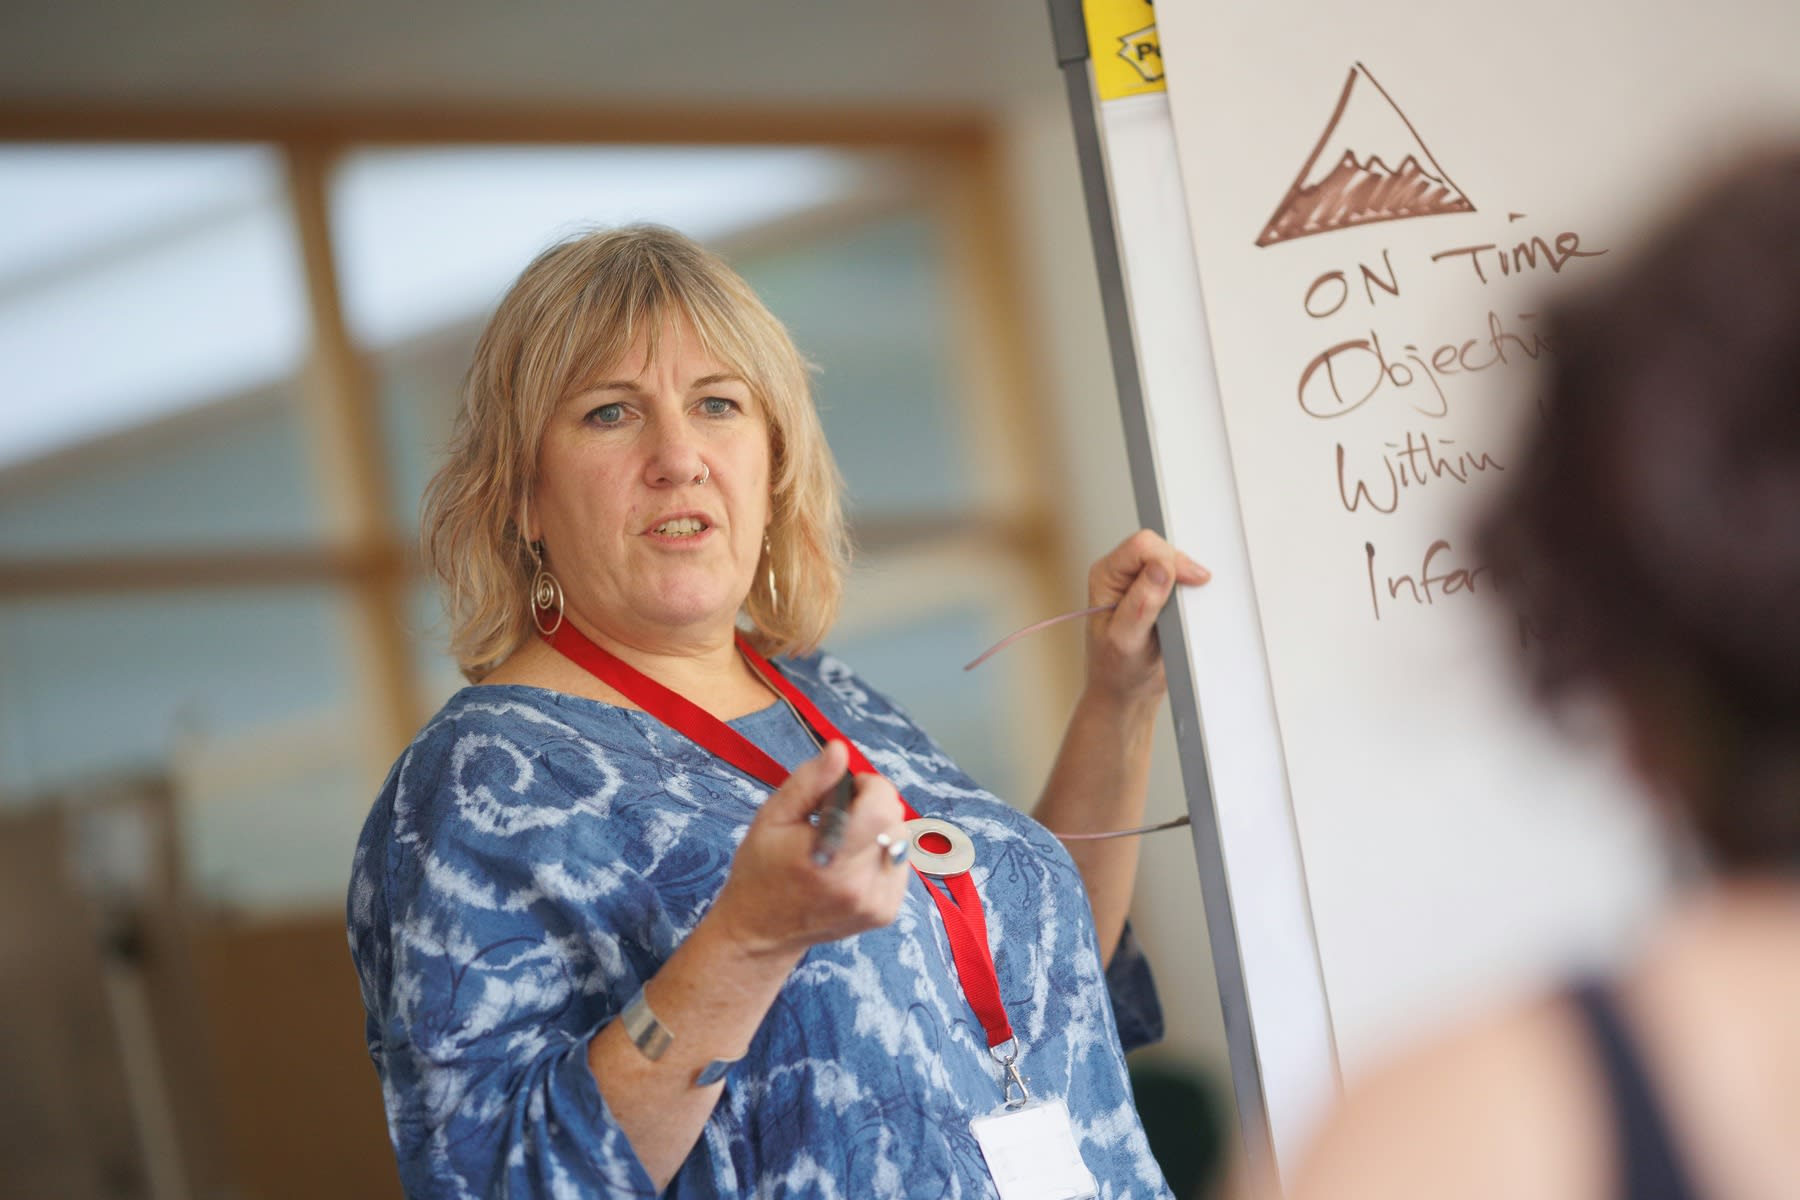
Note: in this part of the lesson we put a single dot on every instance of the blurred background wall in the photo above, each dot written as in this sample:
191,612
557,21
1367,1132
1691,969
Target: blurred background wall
245,249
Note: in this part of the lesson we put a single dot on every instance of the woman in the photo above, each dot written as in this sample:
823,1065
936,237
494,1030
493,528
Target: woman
1653,540
603,948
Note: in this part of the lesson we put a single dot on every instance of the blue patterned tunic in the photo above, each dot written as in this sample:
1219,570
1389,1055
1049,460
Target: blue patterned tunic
534,856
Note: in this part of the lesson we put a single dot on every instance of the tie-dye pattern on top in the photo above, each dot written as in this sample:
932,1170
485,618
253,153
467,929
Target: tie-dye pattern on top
534,856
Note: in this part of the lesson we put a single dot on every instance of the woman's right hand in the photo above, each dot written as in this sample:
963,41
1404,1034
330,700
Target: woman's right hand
715,989
777,901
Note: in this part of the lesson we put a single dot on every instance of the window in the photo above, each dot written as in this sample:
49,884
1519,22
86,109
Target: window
179,590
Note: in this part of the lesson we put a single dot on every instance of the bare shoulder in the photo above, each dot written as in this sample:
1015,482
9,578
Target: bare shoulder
1506,1106
1712,1005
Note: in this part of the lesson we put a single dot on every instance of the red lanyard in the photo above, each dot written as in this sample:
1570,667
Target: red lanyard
964,919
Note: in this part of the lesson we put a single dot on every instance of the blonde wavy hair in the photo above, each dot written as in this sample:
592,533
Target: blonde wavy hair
573,314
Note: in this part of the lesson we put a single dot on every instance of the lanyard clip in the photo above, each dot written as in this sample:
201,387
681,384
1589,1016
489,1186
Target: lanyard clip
1010,1078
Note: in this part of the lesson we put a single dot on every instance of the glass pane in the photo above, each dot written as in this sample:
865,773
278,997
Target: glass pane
60,203
867,306
104,683
269,824
438,675
139,282
232,474
428,238
242,698
420,386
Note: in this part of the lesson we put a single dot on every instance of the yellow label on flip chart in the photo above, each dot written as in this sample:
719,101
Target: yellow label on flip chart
1122,43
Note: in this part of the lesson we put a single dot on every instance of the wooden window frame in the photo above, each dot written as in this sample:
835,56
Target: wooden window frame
364,554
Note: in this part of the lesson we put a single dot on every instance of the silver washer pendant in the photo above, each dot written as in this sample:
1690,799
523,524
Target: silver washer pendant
939,863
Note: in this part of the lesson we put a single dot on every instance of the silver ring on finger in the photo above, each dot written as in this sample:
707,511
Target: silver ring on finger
894,850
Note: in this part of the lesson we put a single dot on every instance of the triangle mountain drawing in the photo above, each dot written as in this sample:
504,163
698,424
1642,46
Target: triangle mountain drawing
1370,165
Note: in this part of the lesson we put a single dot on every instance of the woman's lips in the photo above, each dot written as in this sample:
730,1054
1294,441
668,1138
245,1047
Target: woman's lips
680,527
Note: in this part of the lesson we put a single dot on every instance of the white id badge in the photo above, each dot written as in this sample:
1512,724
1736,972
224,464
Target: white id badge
1032,1155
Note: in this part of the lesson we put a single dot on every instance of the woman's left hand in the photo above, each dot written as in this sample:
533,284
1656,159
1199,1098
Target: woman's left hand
1124,662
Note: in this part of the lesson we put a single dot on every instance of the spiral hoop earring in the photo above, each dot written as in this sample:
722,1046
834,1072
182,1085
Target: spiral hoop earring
769,575
546,593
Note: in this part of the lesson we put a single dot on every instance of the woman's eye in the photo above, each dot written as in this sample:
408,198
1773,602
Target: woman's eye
608,414
717,406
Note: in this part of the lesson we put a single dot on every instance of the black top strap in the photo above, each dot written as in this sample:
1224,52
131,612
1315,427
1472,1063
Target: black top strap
1650,1165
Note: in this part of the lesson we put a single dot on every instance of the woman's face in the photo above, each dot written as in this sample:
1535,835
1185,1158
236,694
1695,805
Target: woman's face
647,554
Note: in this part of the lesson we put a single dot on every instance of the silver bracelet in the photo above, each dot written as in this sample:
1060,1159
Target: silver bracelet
653,1039
649,1035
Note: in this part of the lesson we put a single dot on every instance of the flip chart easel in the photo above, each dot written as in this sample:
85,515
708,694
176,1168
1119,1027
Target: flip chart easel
1258,917
1324,249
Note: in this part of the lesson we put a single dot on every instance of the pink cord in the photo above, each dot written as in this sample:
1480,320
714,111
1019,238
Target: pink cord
1172,823
1009,639
1046,623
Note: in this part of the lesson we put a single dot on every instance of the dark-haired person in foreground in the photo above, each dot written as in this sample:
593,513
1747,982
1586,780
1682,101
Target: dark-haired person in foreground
1652,539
